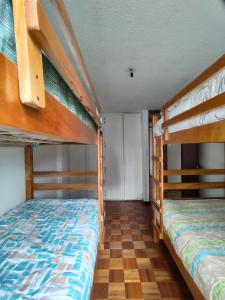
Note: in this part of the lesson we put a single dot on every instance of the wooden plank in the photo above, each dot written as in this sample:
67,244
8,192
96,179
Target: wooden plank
100,190
209,133
195,198
161,185
213,103
157,229
174,172
55,121
65,186
156,158
188,279
29,61
193,185
215,67
155,179
43,33
64,173
28,152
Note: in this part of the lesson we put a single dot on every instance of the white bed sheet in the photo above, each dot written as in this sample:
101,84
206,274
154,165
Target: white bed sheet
212,116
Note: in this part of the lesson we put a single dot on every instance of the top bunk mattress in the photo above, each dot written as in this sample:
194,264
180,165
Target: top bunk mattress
213,86
196,229
212,116
48,249
54,83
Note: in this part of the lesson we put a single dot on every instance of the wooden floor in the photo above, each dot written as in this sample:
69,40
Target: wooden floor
132,266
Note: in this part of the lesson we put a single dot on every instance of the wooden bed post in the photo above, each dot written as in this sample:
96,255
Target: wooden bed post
154,178
29,172
161,184
100,190
157,183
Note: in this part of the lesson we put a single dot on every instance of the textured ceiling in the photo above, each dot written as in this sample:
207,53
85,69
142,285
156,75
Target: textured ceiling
167,42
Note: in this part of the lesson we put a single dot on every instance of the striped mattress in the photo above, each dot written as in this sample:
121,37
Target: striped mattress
197,231
48,249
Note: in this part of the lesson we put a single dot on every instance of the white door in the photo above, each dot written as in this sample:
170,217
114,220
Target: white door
113,170
132,156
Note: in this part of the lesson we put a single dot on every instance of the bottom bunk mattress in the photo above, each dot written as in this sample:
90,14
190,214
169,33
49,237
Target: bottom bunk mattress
48,249
197,231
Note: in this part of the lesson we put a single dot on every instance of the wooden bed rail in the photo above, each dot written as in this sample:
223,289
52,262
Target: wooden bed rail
65,174
175,172
64,186
206,106
193,185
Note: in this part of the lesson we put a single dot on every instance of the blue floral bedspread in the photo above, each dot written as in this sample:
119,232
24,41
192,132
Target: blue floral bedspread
48,249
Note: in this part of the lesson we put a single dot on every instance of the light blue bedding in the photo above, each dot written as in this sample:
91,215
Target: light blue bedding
48,249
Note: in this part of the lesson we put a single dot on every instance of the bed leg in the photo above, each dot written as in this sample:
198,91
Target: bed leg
28,152
155,236
101,243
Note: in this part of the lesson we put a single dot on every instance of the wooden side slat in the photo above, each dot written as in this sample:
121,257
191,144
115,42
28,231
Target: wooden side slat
64,173
213,103
55,121
208,133
100,190
196,198
29,61
193,185
174,172
215,67
64,186
28,152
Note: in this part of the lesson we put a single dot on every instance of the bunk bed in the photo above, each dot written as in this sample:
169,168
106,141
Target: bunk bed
48,247
193,229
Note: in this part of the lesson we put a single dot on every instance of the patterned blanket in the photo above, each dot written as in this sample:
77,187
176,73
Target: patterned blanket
48,249
197,231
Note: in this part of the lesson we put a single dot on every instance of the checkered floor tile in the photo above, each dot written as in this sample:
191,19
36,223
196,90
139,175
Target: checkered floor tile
131,266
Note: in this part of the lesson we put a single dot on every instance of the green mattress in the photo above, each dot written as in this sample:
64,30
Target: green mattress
54,83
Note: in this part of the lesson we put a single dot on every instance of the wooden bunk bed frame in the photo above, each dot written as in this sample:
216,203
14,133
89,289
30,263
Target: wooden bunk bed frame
213,132
29,115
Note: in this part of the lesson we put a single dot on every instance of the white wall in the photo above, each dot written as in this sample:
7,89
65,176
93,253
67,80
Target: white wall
174,160
12,178
211,156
